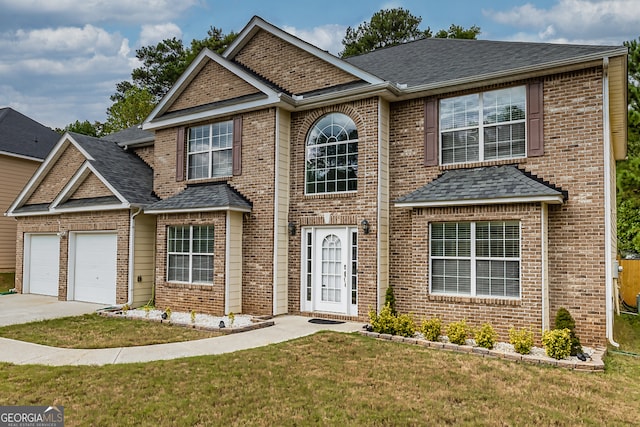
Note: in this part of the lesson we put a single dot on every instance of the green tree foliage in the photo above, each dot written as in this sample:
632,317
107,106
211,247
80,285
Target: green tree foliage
459,32
131,109
389,27
628,171
85,128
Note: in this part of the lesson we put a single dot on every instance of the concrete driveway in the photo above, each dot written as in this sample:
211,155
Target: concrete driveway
20,308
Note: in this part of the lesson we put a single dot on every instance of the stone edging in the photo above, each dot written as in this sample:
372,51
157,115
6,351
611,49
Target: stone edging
594,365
257,323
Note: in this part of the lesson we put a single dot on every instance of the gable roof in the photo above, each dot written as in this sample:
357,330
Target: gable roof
127,176
217,196
435,61
484,185
22,136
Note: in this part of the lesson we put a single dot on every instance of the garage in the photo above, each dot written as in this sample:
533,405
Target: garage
93,267
42,264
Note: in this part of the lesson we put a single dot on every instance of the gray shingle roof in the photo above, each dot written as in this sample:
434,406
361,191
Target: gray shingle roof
24,136
92,201
202,197
132,135
125,171
485,183
431,61
39,207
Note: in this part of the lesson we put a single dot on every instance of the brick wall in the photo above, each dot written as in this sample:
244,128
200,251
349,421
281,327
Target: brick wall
91,187
64,168
343,209
117,221
145,153
573,160
290,67
212,84
256,183
203,298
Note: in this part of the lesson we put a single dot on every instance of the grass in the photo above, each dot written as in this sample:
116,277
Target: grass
330,379
94,331
626,330
7,281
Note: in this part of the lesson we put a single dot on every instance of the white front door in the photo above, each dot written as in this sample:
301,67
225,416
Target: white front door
329,279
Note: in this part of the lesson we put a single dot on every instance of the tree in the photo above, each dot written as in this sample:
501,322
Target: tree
459,32
390,27
628,171
134,106
162,64
85,128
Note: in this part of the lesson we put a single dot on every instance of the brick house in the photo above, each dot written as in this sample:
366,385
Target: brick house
287,180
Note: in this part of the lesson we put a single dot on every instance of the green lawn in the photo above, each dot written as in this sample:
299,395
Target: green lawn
94,331
7,281
331,379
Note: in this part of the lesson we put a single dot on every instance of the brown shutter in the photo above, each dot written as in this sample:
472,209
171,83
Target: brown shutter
535,113
237,146
180,146
431,133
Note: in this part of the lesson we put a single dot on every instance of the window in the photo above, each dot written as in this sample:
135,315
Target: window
209,150
475,258
485,126
190,254
332,155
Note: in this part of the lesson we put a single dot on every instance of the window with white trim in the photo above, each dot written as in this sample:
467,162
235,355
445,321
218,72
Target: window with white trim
475,258
190,254
483,126
209,150
332,155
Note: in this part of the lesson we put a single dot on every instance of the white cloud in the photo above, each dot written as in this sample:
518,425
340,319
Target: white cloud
585,21
152,34
74,11
75,40
326,37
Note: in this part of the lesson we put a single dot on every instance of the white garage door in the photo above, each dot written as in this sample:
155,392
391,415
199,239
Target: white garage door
95,267
43,263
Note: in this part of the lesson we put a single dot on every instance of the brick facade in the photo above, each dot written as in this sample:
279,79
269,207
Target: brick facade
116,221
203,298
212,84
290,67
573,160
66,166
91,187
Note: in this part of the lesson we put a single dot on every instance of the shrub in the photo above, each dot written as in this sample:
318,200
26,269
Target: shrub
557,343
193,316
232,318
385,322
390,299
431,329
486,336
168,313
458,332
405,326
521,340
564,320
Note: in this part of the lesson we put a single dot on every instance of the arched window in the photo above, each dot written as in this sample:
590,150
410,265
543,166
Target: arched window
332,155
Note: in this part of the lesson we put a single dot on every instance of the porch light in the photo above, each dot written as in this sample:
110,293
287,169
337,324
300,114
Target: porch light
292,228
365,226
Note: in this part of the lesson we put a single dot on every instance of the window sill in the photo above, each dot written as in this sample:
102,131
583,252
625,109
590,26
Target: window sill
513,302
203,180
189,286
345,194
514,160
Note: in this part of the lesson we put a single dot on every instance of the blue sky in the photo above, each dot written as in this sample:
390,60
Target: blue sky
60,60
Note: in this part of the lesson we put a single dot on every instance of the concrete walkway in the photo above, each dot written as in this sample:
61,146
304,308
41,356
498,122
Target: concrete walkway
286,328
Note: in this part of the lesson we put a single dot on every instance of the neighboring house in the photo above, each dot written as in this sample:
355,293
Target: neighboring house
475,177
24,143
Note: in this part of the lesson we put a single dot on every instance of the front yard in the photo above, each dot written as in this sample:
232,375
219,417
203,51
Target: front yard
331,379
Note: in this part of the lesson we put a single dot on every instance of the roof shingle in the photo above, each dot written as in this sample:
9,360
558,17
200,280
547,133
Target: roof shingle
202,197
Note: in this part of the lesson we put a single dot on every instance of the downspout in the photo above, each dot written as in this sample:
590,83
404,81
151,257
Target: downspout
276,216
608,263
132,229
